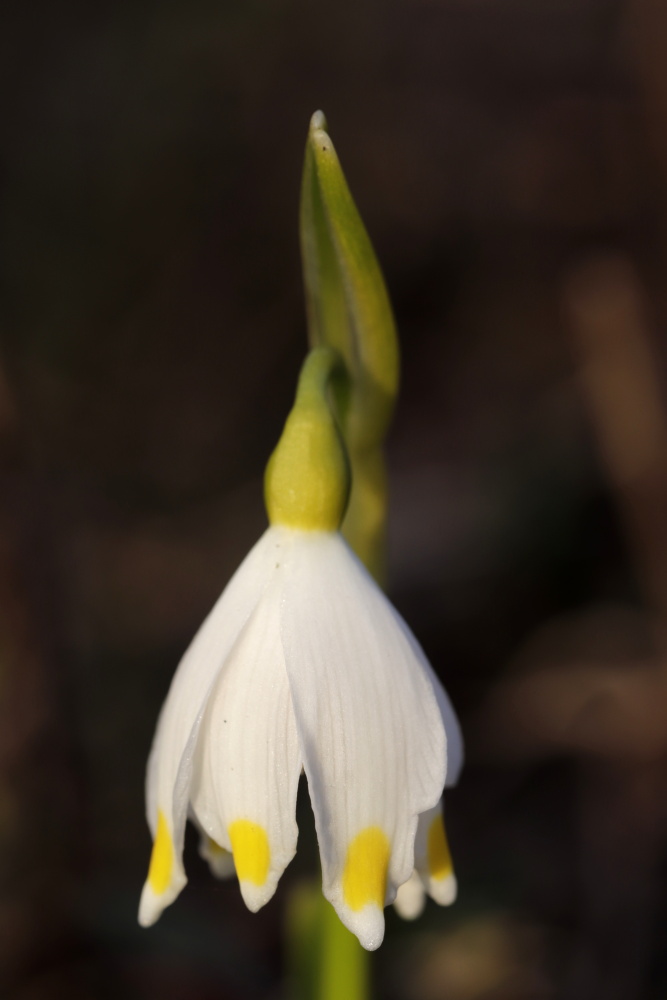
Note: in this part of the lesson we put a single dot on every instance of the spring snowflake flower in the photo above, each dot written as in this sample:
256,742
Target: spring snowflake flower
303,664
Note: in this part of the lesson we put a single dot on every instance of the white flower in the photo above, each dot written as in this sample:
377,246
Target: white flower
302,663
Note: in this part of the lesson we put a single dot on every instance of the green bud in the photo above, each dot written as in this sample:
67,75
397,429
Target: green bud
307,479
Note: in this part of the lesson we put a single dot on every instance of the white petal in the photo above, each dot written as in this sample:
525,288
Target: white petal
452,731
449,718
247,761
410,898
220,861
369,725
432,858
170,763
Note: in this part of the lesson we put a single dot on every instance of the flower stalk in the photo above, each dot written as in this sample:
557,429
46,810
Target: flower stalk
303,666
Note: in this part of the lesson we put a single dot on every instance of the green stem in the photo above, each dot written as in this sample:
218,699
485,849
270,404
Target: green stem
325,961
344,965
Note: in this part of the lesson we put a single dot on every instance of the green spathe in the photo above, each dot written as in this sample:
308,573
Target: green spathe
348,308
347,301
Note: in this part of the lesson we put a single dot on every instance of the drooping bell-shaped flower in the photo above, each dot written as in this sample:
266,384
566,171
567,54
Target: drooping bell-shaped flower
303,664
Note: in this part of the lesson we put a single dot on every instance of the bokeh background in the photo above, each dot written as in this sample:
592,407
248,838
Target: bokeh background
510,160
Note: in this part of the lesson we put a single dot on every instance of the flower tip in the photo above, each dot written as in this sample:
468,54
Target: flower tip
410,898
153,902
256,896
367,924
150,907
443,891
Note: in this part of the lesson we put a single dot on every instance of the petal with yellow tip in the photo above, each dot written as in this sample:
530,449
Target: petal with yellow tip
369,724
169,772
250,850
163,878
410,898
365,871
220,861
433,859
247,760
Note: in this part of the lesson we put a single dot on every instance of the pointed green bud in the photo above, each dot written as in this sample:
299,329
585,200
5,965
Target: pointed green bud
307,479
348,308
347,302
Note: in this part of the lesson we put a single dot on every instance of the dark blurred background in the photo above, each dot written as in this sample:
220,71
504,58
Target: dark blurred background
510,160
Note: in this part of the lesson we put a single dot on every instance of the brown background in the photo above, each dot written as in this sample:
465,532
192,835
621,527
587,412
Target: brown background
510,160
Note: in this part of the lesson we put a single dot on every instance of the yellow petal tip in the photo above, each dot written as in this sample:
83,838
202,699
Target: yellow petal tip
365,872
162,857
250,847
439,858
